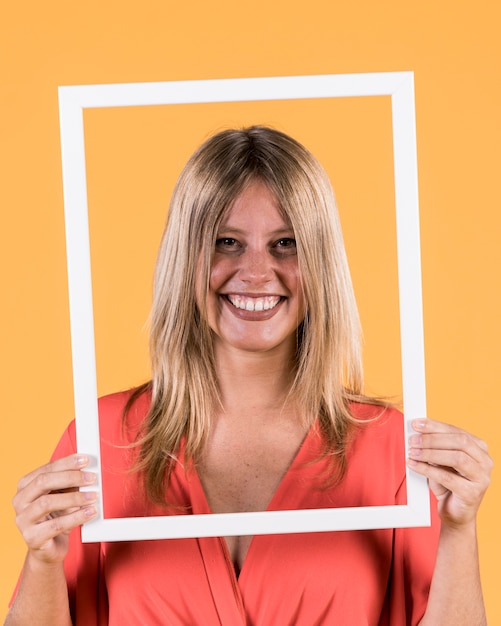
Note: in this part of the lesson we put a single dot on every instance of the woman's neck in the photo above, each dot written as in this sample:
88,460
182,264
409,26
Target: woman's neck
252,381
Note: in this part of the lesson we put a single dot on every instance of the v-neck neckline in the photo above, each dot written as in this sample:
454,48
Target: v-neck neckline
202,506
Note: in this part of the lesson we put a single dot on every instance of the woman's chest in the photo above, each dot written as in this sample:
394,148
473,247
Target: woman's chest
241,472
242,468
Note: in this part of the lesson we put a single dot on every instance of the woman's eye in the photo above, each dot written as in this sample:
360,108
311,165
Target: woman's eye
286,245
226,243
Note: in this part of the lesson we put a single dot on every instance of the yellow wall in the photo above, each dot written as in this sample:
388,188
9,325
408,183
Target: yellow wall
454,52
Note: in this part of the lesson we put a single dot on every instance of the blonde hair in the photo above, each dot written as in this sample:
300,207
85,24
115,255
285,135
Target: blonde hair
328,370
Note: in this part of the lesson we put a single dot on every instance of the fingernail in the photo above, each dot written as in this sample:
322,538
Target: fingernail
415,452
419,424
91,496
415,440
90,511
411,462
89,477
81,460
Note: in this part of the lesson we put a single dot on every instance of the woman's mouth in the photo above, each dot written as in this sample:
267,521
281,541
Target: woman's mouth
248,303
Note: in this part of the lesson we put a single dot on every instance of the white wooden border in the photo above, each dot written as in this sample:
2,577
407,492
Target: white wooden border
400,86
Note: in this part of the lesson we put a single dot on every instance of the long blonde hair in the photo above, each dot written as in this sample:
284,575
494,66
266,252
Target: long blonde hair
328,370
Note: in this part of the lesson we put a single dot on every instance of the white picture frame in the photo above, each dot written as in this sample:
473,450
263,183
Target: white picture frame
73,100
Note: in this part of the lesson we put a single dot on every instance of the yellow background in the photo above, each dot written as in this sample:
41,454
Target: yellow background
135,156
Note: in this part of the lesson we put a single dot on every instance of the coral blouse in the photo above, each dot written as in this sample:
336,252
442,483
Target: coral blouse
354,578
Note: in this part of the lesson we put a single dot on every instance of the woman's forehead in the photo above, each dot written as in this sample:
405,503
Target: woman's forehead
257,204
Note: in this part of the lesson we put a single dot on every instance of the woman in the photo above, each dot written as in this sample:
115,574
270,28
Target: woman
255,401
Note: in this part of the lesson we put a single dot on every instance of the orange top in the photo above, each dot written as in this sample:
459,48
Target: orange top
372,577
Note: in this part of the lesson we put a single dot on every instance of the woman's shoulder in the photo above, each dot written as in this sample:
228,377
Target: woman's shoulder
119,413
379,428
376,451
135,400
366,411
123,410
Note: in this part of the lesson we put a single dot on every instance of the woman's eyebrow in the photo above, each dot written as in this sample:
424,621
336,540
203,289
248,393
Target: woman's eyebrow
286,230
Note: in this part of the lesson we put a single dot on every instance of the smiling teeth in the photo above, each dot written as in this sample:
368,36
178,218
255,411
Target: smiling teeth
254,304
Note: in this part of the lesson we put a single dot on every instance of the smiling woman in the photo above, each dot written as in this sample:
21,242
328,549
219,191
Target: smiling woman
255,301
255,403
242,196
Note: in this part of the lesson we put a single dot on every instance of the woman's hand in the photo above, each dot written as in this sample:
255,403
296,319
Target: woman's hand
457,465
49,505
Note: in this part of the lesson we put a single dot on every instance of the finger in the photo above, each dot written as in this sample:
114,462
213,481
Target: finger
46,483
55,504
423,425
73,461
460,441
460,461
37,535
468,491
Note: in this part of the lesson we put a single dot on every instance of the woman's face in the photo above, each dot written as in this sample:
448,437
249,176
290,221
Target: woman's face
255,301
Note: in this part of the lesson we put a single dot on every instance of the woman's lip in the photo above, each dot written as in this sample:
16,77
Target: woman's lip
246,294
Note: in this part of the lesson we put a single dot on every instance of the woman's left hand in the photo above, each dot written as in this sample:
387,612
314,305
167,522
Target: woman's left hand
457,465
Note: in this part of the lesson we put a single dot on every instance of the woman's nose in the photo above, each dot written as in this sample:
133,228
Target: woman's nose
256,266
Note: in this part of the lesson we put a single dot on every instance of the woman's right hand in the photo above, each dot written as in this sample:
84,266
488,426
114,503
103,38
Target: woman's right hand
49,505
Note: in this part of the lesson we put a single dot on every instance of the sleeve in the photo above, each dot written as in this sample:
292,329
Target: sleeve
414,554
86,589
82,565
